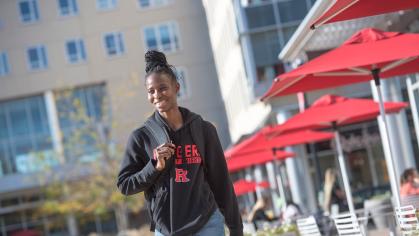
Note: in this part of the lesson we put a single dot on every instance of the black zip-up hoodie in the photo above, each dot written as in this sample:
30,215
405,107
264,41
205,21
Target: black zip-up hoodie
181,198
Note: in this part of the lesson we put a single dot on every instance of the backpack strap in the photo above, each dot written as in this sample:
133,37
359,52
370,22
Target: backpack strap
157,136
157,132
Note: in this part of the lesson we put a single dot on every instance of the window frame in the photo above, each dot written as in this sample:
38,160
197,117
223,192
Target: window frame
73,8
86,97
153,5
4,61
19,162
115,34
109,7
34,12
81,51
187,91
174,35
43,55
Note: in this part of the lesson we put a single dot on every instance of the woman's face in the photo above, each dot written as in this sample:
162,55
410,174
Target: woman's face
162,91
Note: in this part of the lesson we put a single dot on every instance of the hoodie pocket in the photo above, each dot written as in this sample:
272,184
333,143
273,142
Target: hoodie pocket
159,202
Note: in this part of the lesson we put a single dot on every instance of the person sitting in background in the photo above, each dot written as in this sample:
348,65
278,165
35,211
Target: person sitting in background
258,213
333,194
409,183
291,212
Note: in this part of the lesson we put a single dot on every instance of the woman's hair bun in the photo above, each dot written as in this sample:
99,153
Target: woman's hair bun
154,59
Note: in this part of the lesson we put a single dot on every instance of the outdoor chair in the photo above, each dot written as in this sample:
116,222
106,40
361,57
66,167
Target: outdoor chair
308,226
410,200
347,224
407,220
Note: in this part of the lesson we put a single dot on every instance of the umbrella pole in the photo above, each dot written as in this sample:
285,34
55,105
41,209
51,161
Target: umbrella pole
387,146
343,171
280,183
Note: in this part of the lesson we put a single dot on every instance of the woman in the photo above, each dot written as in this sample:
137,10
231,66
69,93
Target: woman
258,212
177,160
333,194
409,183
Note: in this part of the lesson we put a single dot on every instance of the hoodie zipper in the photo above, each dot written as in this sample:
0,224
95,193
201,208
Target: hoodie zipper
171,174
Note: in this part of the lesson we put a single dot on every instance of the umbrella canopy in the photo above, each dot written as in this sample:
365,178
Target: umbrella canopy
365,53
237,163
248,142
368,54
268,138
243,186
351,9
331,109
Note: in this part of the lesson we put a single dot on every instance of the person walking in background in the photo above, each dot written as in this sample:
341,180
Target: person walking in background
177,160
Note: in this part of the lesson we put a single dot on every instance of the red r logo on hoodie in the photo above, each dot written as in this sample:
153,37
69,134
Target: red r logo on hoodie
181,176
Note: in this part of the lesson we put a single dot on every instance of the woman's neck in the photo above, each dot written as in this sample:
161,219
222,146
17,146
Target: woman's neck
173,118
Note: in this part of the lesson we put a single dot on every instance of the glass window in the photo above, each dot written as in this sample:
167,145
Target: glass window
162,37
75,51
4,133
151,39
19,118
4,64
67,7
292,10
37,57
144,3
25,140
266,47
81,118
181,78
105,4
152,3
114,44
165,37
246,3
14,219
288,32
260,16
28,10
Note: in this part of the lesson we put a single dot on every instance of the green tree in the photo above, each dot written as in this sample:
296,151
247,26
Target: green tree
87,146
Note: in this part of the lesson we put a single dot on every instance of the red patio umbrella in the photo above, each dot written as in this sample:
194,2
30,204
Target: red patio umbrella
363,57
368,54
342,10
243,186
237,163
267,138
246,143
333,111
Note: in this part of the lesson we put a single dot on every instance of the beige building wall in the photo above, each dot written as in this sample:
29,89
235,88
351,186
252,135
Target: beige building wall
123,75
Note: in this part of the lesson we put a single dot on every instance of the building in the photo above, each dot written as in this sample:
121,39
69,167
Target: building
92,51
246,37
364,149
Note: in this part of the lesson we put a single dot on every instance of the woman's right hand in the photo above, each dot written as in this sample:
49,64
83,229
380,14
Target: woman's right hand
163,153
